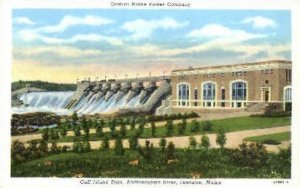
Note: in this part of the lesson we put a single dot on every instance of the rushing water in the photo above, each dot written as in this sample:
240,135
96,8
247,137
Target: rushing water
91,104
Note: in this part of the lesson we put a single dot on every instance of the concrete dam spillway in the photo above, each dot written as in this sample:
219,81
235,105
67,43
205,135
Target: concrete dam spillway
101,97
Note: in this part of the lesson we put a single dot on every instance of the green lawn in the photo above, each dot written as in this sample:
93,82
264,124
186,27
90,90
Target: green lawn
285,136
228,125
212,163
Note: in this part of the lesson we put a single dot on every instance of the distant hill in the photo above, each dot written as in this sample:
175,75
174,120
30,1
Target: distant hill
49,86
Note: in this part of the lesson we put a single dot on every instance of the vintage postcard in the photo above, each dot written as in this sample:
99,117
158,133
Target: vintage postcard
140,93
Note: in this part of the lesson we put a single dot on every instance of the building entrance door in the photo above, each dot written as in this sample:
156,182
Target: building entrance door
265,94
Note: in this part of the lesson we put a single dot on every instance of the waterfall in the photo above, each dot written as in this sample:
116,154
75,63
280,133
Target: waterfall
44,102
87,102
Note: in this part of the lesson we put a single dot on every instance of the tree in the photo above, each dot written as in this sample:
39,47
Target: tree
99,130
132,125
119,150
105,143
181,128
77,132
85,128
63,132
170,151
123,130
162,144
102,122
45,134
138,132
54,148
18,152
147,152
205,142
207,126
193,142
141,127
86,146
133,142
54,134
43,147
221,138
74,118
169,127
153,129
90,123
112,126
184,121
195,127
78,147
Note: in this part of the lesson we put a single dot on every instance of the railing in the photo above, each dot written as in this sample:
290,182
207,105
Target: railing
215,103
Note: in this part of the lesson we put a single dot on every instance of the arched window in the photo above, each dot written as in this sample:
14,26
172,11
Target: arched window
208,94
183,94
287,103
238,94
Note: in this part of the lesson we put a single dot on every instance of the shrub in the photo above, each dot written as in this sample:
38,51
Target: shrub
162,144
74,117
78,147
195,127
153,129
43,147
105,143
138,133
119,150
45,134
18,152
133,142
271,142
169,127
170,151
132,125
63,131
65,148
205,142
123,131
207,126
181,128
147,152
221,138
99,131
252,155
54,148
89,123
193,142
77,132
141,127
86,146
85,128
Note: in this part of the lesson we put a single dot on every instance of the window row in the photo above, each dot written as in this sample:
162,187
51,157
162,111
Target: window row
238,94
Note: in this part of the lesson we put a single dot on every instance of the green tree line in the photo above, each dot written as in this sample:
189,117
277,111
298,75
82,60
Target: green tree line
49,86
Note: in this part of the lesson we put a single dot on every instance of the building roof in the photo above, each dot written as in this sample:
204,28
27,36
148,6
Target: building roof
272,64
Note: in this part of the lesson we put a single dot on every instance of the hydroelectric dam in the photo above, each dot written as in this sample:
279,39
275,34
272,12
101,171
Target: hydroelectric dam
121,96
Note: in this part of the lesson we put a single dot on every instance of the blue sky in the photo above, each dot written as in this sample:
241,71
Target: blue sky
98,42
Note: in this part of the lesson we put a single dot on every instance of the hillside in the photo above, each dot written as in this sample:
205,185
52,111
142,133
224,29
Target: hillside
49,86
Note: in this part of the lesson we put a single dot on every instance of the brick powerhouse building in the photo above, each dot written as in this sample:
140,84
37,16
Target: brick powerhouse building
249,86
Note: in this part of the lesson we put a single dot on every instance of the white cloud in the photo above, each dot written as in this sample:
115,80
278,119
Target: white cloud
63,51
69,21
31,35
144,28
23,20
259,22
216,31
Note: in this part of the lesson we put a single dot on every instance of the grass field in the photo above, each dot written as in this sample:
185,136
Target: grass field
228,125
285,136
212,163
